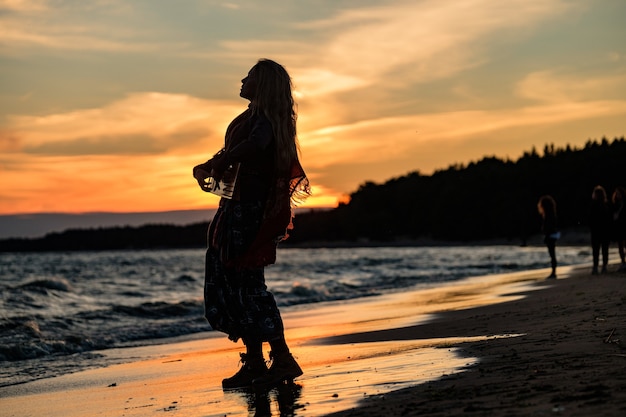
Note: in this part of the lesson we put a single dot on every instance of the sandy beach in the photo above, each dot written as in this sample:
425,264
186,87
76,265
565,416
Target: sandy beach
502,345
569,358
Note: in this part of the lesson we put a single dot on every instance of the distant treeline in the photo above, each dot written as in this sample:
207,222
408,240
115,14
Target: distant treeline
113,238
489,199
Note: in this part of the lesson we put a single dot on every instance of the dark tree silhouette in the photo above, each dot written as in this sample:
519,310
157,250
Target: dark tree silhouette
487,199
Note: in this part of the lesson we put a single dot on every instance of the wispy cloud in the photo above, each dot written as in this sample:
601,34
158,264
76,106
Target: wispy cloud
147,123
112,102
16,36
24,5
370,141
99,25
555,86
416,41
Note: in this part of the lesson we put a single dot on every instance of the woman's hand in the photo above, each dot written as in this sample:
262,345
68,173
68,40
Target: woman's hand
219,164
214,168
200,173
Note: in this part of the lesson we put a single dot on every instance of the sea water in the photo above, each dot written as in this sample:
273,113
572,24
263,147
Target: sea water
58,310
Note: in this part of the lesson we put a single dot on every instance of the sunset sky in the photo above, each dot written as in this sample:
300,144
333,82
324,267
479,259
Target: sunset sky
106,105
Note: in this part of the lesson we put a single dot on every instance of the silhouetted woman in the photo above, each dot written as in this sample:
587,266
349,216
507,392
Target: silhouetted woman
246,229
619,223
600,227
547,210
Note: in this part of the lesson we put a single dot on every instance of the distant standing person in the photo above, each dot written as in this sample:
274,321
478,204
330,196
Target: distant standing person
600,227
547,210
619,223
261,147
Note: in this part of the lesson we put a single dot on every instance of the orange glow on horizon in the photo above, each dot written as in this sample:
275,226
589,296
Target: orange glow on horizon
136,104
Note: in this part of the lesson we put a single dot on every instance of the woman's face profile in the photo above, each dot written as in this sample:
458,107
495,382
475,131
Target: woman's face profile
248,86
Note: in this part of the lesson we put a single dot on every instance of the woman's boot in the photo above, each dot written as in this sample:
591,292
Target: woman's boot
253,367
284,368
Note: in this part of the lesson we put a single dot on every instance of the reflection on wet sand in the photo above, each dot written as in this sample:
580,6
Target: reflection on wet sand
340,370
282,400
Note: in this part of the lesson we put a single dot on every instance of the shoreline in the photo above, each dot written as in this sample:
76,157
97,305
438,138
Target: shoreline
437,351
575,236
569,358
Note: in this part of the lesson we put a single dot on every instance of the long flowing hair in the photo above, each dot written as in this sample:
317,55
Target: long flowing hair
619,195
547,206
275,100
599,194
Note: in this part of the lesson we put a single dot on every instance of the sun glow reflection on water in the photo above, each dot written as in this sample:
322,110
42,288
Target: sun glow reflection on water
186,376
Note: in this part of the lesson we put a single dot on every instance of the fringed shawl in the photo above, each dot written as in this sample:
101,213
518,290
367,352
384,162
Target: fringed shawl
277,218
288,189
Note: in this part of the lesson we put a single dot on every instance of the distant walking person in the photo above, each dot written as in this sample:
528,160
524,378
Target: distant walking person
619,223
260,157
600,227
547,210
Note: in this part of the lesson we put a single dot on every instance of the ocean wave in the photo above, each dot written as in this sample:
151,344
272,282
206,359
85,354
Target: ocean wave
186,278
60,307
23,338
43,285
29,337
159,309
37,348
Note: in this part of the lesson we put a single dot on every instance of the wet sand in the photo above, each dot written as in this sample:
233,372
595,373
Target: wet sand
569,360
505,345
